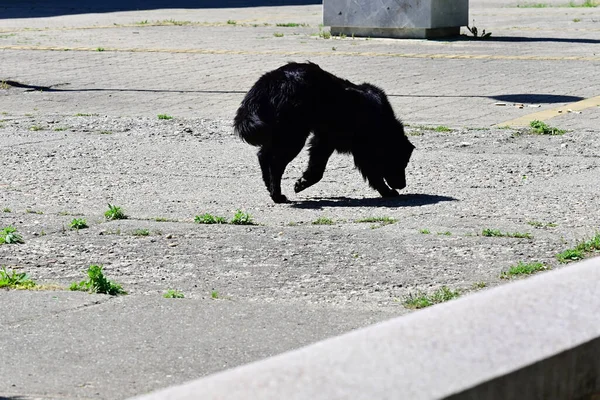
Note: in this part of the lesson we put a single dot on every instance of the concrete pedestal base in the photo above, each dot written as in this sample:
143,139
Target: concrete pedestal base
396,18
396,33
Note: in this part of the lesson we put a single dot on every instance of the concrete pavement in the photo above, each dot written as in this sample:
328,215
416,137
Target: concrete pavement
286,282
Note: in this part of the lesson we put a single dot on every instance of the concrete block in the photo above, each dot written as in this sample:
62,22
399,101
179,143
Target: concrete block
536,338
396,18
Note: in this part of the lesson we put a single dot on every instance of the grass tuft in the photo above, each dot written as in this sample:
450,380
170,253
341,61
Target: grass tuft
322,221
9,235
523,269
78,223
14,280
114,212
422,300
97,283
541,128
381,220
242,218
497,233
209,219
173,294
582,250
164,116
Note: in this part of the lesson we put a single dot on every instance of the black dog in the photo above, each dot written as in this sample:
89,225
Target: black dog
285,105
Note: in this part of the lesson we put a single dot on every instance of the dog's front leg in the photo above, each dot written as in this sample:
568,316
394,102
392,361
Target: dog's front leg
319,154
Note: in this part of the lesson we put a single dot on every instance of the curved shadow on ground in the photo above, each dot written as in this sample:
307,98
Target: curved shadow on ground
404,200
522,39
536,98
45,8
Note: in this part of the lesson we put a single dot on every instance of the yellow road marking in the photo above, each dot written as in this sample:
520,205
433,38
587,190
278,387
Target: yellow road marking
311,53
554,112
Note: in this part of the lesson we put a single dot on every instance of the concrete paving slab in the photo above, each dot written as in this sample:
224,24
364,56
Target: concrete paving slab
93,346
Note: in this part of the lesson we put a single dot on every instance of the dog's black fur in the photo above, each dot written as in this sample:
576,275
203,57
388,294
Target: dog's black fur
285,105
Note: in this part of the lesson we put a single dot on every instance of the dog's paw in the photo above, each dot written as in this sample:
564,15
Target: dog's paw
300,185
390,193
279,199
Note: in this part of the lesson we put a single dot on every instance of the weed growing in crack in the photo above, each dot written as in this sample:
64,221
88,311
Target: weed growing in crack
523,269
9,235
422,300
14,280
97,283
541,128
173,294
242,218
209,219
322,221
78,223
141,232
497,233
114,212
582,250
381,220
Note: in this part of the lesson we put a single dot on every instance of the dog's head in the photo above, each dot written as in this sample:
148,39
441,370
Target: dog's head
397,157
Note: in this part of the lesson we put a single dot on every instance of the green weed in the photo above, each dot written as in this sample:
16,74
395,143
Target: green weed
114,212
97,283
141,232
231,22
242,218
540,128
498,233
164,116
6,210
9,235
538,224
78,223
277,34
14,280
422,300
425,231
523,269
100,49
173,294
290,25
583,249
381,220
209,219
479,285
322,221
214,294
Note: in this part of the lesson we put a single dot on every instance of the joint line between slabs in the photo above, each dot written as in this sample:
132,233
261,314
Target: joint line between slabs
309,53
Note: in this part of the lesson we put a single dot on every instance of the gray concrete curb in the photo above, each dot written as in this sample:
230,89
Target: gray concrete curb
535,338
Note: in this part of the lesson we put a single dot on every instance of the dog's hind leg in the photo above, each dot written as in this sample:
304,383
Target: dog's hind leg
319,154
264,160
281,153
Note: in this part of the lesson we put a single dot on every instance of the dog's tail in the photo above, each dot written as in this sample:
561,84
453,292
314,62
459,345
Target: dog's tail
250,128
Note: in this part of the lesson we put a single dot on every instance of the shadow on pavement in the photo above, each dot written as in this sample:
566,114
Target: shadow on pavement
536,98
404,200
522,39
530,98
45,8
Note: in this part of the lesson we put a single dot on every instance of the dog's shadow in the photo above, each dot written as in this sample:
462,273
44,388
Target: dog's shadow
403,200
